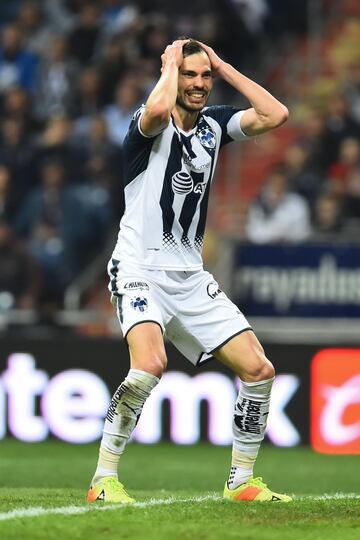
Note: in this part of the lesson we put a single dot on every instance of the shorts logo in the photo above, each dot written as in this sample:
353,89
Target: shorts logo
182,183
213,289
206,137
134,285
139,303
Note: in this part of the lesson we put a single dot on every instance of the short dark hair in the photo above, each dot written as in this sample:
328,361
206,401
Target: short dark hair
191,47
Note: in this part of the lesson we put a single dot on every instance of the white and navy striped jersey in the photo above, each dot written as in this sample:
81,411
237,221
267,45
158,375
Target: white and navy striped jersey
167,181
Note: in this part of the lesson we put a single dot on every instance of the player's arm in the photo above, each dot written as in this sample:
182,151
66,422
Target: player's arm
266,112
162,99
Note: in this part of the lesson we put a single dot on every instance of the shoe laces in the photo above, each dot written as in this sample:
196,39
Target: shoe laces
115,484
259,482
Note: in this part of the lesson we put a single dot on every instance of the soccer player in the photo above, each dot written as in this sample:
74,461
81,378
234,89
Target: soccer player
157,281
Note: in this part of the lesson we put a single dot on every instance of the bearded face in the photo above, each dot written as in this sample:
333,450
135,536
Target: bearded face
195,82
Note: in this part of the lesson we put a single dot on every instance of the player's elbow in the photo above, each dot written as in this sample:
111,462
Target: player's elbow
272,118
154,120
279,115
158,113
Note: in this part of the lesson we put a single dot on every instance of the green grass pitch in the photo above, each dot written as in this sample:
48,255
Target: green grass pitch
178,489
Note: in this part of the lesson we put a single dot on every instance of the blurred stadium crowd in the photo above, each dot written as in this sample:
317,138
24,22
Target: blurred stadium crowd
72,73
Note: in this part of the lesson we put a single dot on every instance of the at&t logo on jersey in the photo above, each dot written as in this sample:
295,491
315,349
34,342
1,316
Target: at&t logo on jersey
182,183
200,187
206,137
139,303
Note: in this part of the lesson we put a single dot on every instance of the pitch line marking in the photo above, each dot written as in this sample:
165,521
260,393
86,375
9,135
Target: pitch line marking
328,497
75,510
38,511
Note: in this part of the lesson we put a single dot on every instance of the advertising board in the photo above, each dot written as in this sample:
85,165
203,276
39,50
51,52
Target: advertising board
335,401
62,388
307,280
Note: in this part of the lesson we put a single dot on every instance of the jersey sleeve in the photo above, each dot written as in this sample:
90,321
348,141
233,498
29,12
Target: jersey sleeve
136,149
134,132
228,118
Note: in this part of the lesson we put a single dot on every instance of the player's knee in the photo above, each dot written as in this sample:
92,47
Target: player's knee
154,363
261,369
158,364
266,371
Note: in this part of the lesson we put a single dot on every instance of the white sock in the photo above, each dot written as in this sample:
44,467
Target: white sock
123,414
251,412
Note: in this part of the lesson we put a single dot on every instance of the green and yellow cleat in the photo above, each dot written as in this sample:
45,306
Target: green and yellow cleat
109,490
254,490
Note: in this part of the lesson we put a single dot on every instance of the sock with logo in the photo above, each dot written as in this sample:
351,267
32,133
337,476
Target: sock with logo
122,416
251,412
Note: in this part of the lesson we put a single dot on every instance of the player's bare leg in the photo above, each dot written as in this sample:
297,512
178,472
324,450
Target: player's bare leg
148,361
245,356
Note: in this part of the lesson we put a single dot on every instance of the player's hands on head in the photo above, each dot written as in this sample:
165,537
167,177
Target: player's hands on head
215,60
174,53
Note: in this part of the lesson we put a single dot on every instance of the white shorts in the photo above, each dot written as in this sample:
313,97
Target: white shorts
197,317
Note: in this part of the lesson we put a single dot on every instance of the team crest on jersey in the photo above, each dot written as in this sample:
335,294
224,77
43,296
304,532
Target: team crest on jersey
206,137
182,183
139,303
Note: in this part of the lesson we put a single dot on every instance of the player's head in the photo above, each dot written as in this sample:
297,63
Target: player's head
195,78
192,47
